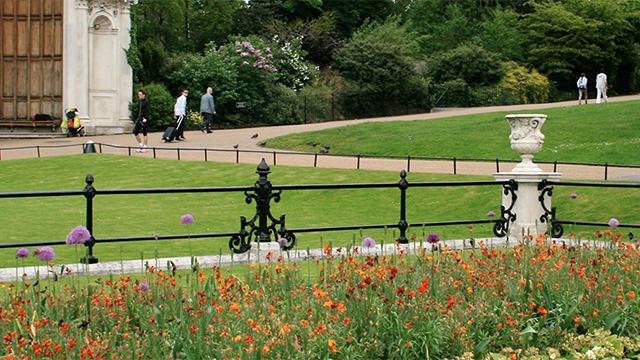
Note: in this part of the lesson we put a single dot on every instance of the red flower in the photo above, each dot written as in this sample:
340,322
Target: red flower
424,286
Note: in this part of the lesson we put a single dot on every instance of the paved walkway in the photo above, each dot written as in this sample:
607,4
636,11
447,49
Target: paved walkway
226,139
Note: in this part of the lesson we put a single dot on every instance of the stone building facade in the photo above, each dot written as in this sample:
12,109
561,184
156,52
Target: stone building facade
56,54
97,76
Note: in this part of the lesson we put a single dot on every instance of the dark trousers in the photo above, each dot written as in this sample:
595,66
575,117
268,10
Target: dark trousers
179,125
208,121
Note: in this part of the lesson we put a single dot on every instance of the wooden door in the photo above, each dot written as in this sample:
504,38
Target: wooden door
30,58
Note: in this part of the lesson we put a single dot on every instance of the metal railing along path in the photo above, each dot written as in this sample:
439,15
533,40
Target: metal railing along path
273,155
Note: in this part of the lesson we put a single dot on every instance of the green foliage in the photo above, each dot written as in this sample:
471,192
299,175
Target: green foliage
523,85
564,39
212,21
439,26
471,63
500,34
350,15
133,53
378,68
154,58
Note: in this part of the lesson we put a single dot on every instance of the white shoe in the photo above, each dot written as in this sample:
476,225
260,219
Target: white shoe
138,150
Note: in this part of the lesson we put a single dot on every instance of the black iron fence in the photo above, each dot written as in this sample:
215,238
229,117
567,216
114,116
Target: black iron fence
550,215
263,226
273,154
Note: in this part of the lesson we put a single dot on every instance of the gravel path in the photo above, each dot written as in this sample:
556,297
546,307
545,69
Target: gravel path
226,139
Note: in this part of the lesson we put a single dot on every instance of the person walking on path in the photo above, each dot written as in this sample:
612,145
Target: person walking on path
582,89
142,121
180,112
207,110
601,87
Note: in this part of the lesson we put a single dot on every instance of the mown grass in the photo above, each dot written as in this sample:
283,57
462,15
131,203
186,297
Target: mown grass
35,219
591,133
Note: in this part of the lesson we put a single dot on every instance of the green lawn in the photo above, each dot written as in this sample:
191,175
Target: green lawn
33,219
591,133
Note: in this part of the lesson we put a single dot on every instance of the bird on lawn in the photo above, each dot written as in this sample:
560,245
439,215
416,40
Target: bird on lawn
235,146
254,136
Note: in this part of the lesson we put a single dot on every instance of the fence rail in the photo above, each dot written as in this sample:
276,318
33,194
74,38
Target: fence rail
557,230
101,148
263,226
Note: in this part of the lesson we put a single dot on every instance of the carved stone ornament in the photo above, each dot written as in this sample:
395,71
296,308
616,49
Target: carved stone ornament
526,138
106,4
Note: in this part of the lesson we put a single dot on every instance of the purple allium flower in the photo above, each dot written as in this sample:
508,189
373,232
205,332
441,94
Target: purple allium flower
186,219
613,222
368,242
433,238
144,286
491,214
283,242
22,253
573,195
79,235
45,253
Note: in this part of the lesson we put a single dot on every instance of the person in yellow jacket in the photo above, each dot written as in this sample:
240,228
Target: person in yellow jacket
72,122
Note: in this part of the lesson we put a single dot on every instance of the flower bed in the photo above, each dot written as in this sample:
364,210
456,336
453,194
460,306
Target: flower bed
550,300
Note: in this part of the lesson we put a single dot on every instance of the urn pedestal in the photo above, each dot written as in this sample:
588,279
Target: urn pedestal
527,139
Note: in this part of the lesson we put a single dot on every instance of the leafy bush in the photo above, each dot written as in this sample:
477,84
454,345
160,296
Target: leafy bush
450,93
469,62
379,71
524,85
160,106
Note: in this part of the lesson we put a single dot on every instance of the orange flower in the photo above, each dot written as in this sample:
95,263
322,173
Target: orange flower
235,306
332,345
631,294
542,311
424,286
596,312
576,320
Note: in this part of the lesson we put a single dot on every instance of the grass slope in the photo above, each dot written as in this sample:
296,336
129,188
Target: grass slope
591,133
33,219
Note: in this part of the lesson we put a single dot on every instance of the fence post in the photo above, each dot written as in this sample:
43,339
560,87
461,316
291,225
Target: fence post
358,165
402,225
555,166
274,158
154,152
315,160
0,154
455,166
38,149
237,156
497,165
606,171
100,147
263,196
205,155
408,163
129,150
89,194
178,153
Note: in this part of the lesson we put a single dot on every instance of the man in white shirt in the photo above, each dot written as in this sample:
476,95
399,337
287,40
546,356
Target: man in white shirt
180,112
582,89
601,87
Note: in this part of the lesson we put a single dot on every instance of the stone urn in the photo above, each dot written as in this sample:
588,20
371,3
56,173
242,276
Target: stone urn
526,139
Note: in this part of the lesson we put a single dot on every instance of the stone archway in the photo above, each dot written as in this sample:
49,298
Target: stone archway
98,78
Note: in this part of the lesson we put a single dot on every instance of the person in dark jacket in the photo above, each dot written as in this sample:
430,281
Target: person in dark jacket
207,110
142,121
